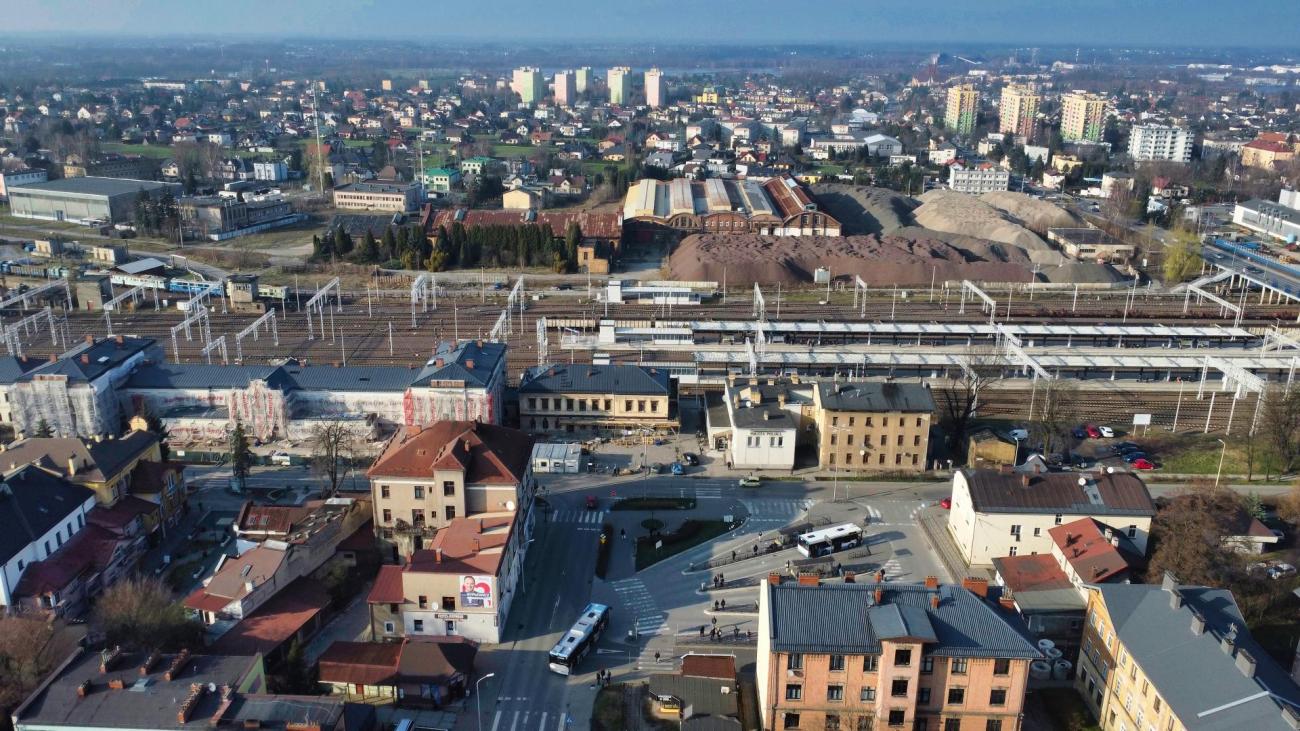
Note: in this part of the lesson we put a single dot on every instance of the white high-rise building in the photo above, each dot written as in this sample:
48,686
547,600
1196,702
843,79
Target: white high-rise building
529,84
654,88
582,79
1160,142
619,80
566,91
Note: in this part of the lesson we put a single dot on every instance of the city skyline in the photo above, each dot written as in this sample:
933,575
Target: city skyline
1102,23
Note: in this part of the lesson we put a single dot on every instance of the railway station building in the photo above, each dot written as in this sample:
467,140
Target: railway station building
595,399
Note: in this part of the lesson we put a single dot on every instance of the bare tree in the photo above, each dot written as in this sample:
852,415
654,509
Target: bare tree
982,367
1279,423
1055,411
24,660
332,446
142,613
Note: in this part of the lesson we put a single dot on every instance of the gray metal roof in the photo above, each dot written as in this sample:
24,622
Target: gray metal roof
838,618
288,377
100,357
698,696
1192,673
96,186
32,502
624,380
470,361
875,396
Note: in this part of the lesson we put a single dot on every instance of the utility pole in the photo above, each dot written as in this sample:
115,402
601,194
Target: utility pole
315,113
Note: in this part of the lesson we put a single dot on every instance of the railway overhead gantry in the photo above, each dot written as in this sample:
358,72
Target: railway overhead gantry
319,302
265,321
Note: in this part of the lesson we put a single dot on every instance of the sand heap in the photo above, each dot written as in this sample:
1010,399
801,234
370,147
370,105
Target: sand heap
958,213
865,210
1032,213
880,261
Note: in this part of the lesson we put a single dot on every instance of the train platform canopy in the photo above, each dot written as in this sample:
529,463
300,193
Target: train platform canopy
956,329
147,265
1250,360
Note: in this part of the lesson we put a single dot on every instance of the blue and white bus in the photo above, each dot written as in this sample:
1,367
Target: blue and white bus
580,638
830,540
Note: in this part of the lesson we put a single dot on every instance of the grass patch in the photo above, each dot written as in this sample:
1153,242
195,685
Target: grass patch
691,534
607,712
654,503
1066,709
1198,454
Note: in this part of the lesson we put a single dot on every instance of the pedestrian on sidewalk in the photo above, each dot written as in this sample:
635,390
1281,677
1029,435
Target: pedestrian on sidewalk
733,555
724,603
701,631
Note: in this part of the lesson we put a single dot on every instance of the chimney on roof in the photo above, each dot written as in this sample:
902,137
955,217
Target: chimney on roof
1246,663
774,578
469,363
90,339
879,595
437,555
1198,623
83,689
1169,582
1006,601
54,358
85,359
479,342
1025,480
780,400
121,340
438,362
976,586
880,575
1290,716
809,580
850,577
1114,541
1228,642
934,600
1175,600
72,466
932,582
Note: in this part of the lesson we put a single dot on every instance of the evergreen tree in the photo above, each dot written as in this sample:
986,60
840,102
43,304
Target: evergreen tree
241,457
390,244
342,242
572,238
43,429
368,252
154,423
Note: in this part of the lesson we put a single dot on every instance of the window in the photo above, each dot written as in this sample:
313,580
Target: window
20,565
383,491
450,511
627,404
568,404
835,421
532,403
791,720
423,602
848,458
832,722
884,421
1132,531
897,716
837,663
640,405
868,693
927,665
1156,703
448,488
795,661
388,516
958,666
582,404
417,625
849,440
870,663
1015,530
916,440
654,406
834,692
1057,520
998,697
956,696
993,724
898,459
833,440
851,420
952,724
1038,532
898,688
902,658
883,439
923,696
389,628
1002,666
419,492
449,603
794,692
899,441
1012,551
417,518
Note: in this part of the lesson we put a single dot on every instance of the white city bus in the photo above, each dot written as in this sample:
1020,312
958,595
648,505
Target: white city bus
580,638
830,540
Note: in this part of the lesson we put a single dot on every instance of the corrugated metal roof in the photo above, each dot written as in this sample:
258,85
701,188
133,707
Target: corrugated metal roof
601,379
875,396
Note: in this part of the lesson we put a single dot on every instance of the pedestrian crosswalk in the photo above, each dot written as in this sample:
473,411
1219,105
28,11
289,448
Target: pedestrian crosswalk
588,519
708,493
776,507
640,605
530,720
893,569
873,515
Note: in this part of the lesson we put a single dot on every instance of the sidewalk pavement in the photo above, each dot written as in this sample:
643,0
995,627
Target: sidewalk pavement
934,523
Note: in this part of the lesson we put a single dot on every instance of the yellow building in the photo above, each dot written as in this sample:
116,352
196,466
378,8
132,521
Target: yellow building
619,80
963,108
988,450
1018,111
595,398
1174,658
1083,116
707,95
529,84
873,425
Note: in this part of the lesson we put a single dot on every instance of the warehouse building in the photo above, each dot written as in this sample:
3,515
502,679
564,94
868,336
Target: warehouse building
111,200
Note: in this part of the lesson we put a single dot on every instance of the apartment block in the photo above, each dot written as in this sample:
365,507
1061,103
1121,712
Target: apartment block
566,88
976,180
1018,111
1166,143
873,425
529,84
1083,116
582,79
619,80
387,197
655,91
962,110
887,656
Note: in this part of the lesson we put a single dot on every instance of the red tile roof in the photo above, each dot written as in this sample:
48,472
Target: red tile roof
722,667
1085,547
276,621
90,550
488,454
468,545
388,586
1036,572
360,663
123,512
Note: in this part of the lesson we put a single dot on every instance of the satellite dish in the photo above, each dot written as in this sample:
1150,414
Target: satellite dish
510,505
212,687
1083,481
1110,470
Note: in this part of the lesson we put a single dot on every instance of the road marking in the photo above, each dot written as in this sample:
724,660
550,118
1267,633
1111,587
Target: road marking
514,721
496,720
543,723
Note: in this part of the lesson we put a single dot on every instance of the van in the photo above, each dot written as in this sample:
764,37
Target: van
284,459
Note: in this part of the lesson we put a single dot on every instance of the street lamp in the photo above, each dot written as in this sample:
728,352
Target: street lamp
479,699
1222,452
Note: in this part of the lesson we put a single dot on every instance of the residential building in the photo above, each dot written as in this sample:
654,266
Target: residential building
412,672
17,178
566,89
441,180
1267,152
962,109
777,207
758,422
389,197
824,147
428,476
222,217
1178,657
111,200
130,167
477,165
872,425
592,399
529,84
1166,143
1083,116
39,513
462,585
655,91
984,178
887,655
1002,513
271,171
1280,220
582,79
619,80
524,199
1018,111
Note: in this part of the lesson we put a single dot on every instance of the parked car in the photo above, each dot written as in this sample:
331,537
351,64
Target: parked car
592,503
750,481
691,459
657,468
1132,457
1142,463
1092,431
1079,432
281,458
946,503
1126,447
1280,571
1106,432
1019,434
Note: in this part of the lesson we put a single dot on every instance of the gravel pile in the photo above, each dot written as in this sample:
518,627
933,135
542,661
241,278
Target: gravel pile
863,209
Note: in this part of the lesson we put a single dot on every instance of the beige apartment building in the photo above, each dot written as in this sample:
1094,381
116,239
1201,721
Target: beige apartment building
591,399
874,656
873,425
619,80
1083,116
1178,658
1018,111
428,477
385,197
963,109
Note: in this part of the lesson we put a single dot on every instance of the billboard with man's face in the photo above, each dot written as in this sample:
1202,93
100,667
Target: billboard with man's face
476,592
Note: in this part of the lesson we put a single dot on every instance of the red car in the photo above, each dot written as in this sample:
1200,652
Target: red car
591,502
946,503
1142,463
1093,432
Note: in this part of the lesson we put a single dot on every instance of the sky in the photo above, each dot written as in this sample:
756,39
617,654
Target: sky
1203,23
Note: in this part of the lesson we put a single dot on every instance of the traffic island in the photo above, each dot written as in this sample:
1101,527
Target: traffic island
654,503
653,549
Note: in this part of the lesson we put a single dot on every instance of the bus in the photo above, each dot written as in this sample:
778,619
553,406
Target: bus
580,638
830,540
